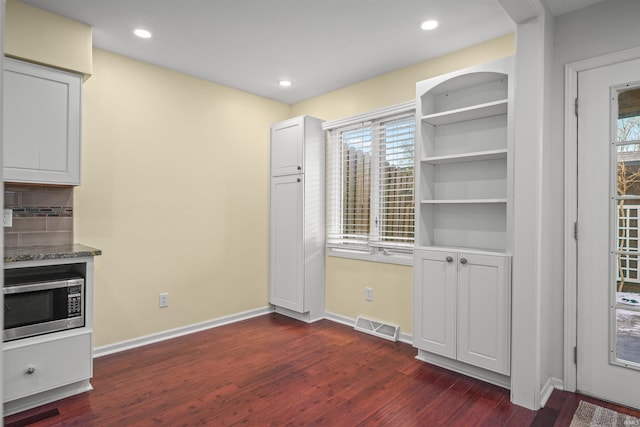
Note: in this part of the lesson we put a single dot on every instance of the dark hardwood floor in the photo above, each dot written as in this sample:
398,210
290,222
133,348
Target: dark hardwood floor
272,370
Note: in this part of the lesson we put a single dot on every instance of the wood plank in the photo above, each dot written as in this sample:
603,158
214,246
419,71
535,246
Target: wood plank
273,370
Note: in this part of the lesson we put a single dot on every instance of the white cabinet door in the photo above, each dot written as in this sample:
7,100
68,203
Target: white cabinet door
287,242
287,147
435,301
462,307
483,311
41,124
42,366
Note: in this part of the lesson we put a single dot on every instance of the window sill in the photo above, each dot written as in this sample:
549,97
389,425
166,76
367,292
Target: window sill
377,256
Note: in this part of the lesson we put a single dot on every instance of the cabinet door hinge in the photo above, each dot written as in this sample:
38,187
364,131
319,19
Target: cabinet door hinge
575,230
575,355
576,106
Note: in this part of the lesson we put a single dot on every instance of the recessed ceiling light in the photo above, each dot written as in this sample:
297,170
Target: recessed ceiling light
285,83
142,33
429,25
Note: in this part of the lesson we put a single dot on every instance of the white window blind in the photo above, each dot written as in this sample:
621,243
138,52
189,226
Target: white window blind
396,206
370,196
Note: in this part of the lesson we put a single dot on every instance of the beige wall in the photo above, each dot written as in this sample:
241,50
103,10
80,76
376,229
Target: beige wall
174,191
175,184
400,85
392,284
39,36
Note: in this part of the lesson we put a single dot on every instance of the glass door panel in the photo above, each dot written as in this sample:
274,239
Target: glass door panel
626,300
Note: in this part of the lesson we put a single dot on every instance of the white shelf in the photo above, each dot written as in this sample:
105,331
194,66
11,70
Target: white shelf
474,112
479,251
467,157
463,201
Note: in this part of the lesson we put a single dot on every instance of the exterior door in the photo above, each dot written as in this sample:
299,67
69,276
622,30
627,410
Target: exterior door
286,240
608,286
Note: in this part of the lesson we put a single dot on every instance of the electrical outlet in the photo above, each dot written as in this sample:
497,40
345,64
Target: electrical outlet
164,300
368,294
7,217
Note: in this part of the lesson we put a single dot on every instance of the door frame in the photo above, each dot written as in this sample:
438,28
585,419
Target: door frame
571,202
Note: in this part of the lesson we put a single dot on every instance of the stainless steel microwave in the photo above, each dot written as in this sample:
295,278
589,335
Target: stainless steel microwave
36,305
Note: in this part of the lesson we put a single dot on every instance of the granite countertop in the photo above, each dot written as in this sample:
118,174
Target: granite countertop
34,253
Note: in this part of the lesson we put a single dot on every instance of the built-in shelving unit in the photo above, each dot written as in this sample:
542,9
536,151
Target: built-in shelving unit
463,174
462,257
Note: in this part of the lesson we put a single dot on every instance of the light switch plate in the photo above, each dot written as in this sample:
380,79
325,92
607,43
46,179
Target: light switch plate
7,217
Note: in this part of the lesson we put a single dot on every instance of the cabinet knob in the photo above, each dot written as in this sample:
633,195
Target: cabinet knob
449,259
299,180
299,167
30,370
463,260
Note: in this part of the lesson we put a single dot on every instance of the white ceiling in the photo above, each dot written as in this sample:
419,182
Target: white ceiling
560,7
320,45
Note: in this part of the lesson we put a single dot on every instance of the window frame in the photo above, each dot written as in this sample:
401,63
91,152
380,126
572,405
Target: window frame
374,250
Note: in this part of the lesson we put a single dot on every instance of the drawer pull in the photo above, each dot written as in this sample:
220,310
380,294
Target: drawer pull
30,370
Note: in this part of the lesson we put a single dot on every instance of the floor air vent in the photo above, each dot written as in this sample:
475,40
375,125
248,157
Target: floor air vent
378,329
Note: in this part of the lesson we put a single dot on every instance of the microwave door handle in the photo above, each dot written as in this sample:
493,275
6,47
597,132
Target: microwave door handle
18,289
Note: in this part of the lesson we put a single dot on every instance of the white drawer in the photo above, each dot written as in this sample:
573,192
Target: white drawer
52,364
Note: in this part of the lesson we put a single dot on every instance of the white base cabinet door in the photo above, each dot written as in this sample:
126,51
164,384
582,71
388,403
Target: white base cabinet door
435,302
462,307
483,311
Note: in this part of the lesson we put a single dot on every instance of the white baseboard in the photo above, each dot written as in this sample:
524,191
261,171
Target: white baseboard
197,327
465,369
178,332
548,387
47,396
303,317
339,318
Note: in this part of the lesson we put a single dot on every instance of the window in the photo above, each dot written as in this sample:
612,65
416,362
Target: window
370,197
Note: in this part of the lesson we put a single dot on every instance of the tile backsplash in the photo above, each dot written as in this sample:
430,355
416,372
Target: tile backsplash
42,215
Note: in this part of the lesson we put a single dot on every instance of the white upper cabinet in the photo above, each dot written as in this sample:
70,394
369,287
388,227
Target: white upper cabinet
41,124
287,147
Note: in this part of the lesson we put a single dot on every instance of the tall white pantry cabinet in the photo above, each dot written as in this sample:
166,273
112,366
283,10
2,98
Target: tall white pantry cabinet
296,255
462,257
